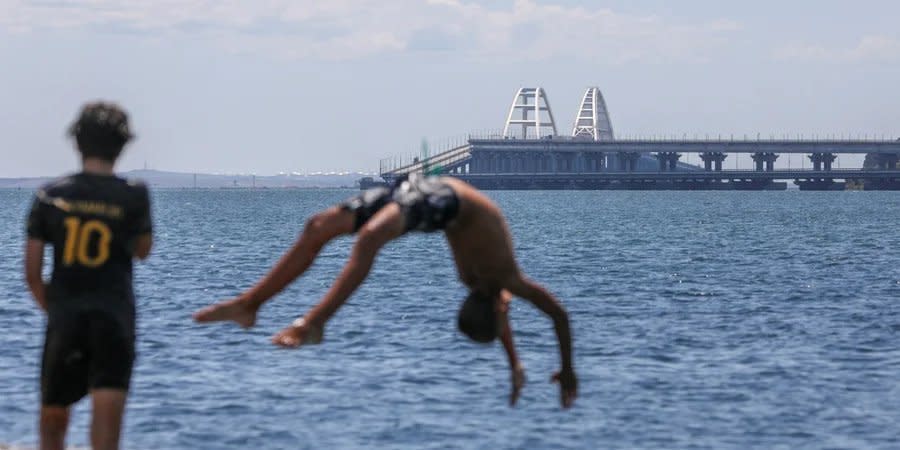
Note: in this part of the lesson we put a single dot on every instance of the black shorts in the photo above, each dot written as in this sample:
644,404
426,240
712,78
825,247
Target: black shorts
366,204
85,350
427,203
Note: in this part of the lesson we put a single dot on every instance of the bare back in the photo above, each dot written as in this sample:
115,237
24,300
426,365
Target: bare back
480,240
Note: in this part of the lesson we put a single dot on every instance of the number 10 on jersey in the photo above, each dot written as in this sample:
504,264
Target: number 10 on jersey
79,236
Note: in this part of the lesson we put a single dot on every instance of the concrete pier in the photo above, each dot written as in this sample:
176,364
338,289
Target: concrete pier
628,161
713,160
822,160
887,161
668,161
764,161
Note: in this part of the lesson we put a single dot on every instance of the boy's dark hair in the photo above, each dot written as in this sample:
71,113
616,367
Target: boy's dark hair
101,130
478,318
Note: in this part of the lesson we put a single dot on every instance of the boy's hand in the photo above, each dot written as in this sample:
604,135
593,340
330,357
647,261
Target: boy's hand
568,386
518,380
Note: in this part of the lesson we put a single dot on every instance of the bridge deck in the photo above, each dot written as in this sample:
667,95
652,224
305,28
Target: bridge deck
458,157
840,174
688,146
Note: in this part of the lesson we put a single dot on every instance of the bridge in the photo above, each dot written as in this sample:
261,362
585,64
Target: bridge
530,154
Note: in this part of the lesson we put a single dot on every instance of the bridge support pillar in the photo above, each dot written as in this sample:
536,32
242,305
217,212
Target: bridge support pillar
519,162
533,163
713,159
568,161
887,161
480,162
673,161
765,161
668,161
822,161
770,162
633,158
593,161
661,157
628,161
758,160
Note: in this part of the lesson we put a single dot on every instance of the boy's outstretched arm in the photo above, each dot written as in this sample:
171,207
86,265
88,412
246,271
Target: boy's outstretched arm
544,301
517,372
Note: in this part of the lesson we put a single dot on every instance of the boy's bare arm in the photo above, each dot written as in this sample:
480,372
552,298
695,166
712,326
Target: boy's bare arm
517,372
544,301
142,246
34,264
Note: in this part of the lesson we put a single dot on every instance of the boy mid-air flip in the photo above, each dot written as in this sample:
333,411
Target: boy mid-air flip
97,223
481,246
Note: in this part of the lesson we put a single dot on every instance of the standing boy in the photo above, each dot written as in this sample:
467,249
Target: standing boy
96,223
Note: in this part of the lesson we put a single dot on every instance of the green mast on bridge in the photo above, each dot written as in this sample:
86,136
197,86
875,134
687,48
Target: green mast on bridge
428,169
423,157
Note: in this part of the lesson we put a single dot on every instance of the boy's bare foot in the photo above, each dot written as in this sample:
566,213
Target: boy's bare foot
295,336
235,310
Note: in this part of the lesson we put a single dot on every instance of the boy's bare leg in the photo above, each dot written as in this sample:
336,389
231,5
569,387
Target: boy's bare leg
106,424
387,224
319,230
53,425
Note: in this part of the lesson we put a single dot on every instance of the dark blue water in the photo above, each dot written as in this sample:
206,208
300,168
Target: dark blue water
701,320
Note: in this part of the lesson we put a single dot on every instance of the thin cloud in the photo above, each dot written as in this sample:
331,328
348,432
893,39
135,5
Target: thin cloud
347,29
877,49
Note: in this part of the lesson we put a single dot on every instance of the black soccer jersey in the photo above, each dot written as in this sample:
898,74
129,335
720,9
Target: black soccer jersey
92,222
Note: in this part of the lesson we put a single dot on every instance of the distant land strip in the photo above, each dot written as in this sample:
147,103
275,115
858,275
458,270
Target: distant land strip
163,179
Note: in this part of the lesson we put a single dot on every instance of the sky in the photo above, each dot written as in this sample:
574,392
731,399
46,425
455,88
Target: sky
272,86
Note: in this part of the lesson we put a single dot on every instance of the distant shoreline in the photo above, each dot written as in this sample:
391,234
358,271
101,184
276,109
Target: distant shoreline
182,180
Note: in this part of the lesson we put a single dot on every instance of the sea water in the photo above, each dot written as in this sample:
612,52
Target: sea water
700,320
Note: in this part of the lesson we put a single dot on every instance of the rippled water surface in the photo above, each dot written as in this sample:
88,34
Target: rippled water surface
701,320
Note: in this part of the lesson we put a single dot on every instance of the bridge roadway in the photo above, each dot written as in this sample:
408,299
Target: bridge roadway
564,144
455,157
691,180
696,175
